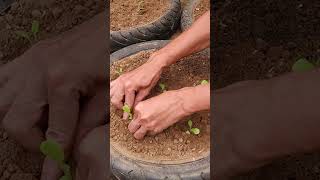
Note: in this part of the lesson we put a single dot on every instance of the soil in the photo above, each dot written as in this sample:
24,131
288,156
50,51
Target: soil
54,16
126,14
201,8
261,39
174,144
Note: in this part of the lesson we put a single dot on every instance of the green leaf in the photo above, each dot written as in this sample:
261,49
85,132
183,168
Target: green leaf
195,131
66,177
204,82
126,108
190,123
35,28
162,86
53,150
23,34
302,65
67,172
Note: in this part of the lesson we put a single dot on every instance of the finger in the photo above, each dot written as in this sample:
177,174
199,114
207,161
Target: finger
140,133
50,170
134,125
141,95
92,115
112,91
112,83
21,122
6,72
129,100
117,98
63,119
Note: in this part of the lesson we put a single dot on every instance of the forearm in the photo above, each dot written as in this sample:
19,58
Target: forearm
195,39
258,121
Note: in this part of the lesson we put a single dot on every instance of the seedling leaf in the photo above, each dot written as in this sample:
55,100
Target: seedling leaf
35,28
302,65
195,131
204,82
23,34
162,86
53,150
119,71
190,123
126,108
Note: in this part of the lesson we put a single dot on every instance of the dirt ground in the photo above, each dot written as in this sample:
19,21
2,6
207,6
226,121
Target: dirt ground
261,39
131,13
201,8
174,143
55,16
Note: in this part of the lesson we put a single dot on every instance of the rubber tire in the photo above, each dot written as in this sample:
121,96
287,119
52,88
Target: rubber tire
188,14
162,28
124,168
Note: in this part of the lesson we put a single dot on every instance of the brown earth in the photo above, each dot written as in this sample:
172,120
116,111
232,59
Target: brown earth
261,39
132,13
55,16
174,143
201,8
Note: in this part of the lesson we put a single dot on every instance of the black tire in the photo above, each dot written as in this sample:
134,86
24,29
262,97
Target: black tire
187,16
162,28
124,168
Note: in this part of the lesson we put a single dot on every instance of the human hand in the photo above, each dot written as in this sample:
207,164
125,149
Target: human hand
132,87
50,84
154,115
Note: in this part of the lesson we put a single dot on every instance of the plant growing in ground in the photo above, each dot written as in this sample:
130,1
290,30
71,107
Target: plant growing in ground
120,71
163,87
53,150
32,34
194,131
204,82
303,65
126,108
141,7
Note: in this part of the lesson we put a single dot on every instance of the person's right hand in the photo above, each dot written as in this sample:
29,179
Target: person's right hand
132,87
58,87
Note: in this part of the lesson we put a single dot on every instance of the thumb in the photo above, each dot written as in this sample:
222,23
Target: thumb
50,170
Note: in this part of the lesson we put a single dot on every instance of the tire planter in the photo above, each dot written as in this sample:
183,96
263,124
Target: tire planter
187,14
124,168
161,28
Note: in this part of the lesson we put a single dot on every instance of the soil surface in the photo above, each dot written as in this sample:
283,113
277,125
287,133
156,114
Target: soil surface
261,39
201,8
174,144
125,14
54,16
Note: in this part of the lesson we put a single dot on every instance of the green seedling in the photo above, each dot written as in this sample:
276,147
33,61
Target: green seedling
163,87
141,7
53,150
194,131
120,71
303,65
127,109
32,34
204,82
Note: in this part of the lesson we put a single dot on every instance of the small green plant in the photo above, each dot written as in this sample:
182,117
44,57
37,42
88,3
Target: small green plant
53,150
126,108
163,87
33,34
194,131
141,7
303,65
120,71
204,82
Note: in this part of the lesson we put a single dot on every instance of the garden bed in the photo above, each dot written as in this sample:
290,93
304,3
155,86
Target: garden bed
125,14
202,7
54,17
174,144
261,40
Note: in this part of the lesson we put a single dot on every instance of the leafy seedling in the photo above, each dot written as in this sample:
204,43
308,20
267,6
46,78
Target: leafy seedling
127,109
53,150
32,35
194,131
163,87
204,82
302,65
120,71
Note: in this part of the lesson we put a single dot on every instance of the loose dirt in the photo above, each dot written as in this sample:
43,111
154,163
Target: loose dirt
201,8
261,39
55,16
174,144
125,14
